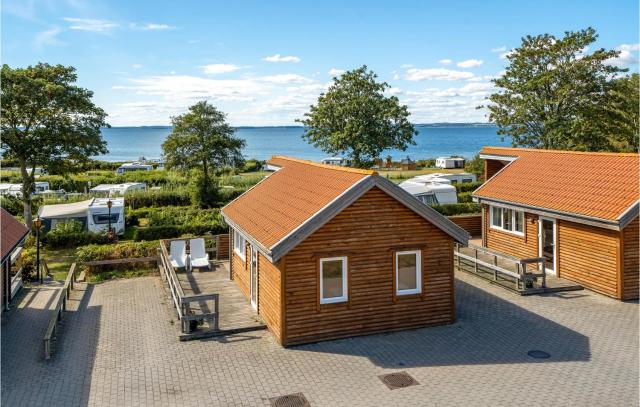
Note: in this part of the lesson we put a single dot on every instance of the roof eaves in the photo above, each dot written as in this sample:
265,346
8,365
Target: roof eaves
629,214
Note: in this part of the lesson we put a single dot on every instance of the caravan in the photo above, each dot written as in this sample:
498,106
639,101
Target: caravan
93,214
431,192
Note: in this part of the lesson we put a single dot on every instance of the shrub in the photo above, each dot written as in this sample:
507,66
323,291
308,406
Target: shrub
71,234
253,165
125,250
465,197
457,209
204,192
171,197
11,204
29,263
467,186
475,166
171,231
428,163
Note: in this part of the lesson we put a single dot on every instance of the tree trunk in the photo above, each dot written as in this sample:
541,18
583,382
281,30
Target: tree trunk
27,182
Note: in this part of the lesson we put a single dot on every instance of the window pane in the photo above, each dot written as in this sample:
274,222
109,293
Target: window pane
519,218
507,219
103,218
407,271
332,279
497,216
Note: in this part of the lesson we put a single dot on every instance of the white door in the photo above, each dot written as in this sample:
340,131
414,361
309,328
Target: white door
254,278
547,247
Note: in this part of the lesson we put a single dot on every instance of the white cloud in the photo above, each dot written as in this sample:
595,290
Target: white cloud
499,49
394,91
628,55
470,63
445,61
281,58
48,37
505,54
136,66
90,24
415,74
285,78
219,68
151,27
336,72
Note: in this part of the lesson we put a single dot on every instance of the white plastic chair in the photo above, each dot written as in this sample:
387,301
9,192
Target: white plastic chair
178,254
198,256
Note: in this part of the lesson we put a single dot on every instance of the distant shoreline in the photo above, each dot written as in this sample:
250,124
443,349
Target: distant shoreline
444,124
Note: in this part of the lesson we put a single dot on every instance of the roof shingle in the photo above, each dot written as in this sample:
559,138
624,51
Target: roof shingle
598,185
12,233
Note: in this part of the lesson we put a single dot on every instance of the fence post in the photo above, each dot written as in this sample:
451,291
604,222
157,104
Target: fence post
495,271
520,274
216,325
475,264
217,247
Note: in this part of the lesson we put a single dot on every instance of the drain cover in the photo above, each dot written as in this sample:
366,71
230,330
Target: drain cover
398,380
538,354
290,400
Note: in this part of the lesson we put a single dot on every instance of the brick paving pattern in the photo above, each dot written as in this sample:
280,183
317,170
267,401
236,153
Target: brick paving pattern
118,347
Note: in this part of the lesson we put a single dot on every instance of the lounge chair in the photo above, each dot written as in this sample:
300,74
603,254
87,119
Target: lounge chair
198,256
178,254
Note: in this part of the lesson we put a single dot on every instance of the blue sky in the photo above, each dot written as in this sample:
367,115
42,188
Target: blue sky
265,62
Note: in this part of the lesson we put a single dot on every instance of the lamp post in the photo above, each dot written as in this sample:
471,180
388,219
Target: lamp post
109,233
38,224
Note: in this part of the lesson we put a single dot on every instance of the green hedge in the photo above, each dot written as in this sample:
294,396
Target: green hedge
171,231
71,234
467,186
173,197
465,197
11,204
125,250
458,209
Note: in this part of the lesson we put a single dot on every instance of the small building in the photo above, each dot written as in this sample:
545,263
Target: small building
118,189
12,237
431,192
450,162
324,252
135,166
335,161
578,210
407,164
93,214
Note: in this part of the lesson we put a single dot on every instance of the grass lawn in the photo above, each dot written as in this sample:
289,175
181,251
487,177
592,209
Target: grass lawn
59,261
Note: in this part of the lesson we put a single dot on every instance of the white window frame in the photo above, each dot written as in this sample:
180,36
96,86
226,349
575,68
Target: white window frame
239,245
514,213
418,289
345,292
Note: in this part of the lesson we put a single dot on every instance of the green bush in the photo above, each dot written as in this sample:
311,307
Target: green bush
467,186
457,209
11,204
204,192
172,231
465,197
253,165
475,166
125,250
428,163
170,197
71,234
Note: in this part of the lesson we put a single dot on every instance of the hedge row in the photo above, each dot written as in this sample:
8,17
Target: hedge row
125,250
71,234
171,231
174,197
467,186
457,209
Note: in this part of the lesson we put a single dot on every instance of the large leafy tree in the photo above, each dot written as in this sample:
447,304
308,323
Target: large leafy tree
201,138
620,118
355,117
47,121
550,92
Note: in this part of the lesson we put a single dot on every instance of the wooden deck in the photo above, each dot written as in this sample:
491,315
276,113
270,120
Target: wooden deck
552,283
236,314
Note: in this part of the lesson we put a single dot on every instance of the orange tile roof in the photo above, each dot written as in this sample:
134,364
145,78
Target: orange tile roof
290,196
599,185
12,233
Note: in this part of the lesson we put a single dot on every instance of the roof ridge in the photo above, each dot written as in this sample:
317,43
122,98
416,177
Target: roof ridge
540,150
327,166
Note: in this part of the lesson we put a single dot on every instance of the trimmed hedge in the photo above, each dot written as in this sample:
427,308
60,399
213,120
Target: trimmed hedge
467,186
71,234
125,250
171,231
458,209
176,197
465,197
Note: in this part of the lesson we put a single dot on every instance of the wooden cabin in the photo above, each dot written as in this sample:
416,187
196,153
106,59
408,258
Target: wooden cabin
324,252
578,210
12,237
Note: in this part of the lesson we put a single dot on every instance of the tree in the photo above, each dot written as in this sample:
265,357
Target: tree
620,117
201,138
550,92
47,121
475,166
355,118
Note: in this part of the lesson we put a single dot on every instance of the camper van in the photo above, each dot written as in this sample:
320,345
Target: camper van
93,214
431,192
450,162
135,166
457,178
334,161
117,189
41,187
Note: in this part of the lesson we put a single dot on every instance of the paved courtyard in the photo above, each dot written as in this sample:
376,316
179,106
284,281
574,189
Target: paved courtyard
119,347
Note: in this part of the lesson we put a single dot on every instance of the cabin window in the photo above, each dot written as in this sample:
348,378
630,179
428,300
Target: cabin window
508,220
103,218
333,280
239,244
408,272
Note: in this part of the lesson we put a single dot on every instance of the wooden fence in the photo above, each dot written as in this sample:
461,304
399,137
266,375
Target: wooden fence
58,310
470,223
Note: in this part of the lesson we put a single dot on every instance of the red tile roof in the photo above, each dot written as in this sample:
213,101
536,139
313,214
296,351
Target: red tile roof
12,233
278,205
598,185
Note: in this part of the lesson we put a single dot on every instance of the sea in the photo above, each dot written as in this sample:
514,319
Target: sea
433,140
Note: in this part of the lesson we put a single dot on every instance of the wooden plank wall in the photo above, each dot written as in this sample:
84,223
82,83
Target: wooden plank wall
241,272
519,246
470,223
631,260
269,295
368,232
491,167
588,255
223,248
